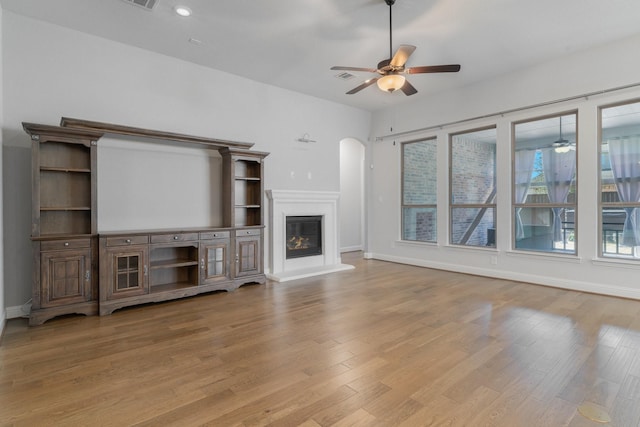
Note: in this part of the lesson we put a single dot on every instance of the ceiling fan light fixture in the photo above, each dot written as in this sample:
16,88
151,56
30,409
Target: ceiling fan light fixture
562,149
391,82
183,11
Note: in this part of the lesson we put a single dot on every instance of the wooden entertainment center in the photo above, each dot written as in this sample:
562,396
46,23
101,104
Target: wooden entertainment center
78,269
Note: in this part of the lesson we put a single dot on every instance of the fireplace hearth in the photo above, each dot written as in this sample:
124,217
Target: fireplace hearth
303,236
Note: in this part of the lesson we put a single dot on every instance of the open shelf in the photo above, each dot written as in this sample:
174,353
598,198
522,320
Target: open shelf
247,215
173,267
247,169
173,263
63,170
64,189
66,209
242,175
63,156
247,192
173,278
61,221
170,287
168,256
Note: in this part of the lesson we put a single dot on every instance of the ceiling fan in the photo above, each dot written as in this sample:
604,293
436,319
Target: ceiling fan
562,145
391,71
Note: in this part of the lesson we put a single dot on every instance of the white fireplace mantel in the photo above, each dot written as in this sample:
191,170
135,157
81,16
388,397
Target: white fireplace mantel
283,203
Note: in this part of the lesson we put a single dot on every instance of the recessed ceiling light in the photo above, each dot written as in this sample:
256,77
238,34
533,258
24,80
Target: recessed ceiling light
183,11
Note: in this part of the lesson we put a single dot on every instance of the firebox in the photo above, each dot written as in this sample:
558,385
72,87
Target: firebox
304,236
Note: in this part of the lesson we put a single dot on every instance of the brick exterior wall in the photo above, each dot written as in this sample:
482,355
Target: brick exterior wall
473,167
419,188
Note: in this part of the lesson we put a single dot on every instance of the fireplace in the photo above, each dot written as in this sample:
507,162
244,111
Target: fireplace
284,204
303,236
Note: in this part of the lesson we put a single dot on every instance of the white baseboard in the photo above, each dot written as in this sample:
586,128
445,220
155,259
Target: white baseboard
3,322
574,285
309,272
351,249
18,311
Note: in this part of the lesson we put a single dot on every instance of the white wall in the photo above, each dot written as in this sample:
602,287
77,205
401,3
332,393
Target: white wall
51,72
596,70
2,305
351,195
145,185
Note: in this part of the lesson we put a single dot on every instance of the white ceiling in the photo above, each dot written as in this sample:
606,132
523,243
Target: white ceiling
293,43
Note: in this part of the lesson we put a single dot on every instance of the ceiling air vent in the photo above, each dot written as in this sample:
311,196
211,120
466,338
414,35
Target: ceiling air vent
345,76
145,4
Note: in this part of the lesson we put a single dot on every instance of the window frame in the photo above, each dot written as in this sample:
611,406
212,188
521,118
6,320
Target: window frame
602,205
515,206
404,205
453,205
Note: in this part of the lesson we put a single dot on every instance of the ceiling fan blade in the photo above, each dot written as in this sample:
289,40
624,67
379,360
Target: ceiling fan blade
364,85
408,88
453,68
402,55
366,70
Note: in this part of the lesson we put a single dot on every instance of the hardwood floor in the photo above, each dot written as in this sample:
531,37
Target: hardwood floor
381,345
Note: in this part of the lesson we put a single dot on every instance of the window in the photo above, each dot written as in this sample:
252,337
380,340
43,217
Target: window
419,190
620,181
544,184
473,188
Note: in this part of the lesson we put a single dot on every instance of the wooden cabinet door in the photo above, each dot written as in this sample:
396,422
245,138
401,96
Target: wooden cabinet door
128,272
214,260
248,256
65,277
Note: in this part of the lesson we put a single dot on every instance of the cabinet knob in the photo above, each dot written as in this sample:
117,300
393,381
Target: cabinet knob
127,241
175,237
248,232
66,243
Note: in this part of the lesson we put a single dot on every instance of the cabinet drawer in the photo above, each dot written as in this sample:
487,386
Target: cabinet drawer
127,240
249,232
175,237
209,235
56,245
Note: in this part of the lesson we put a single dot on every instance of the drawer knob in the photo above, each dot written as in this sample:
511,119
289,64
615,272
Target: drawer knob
128,241
66,243
175,237
248,232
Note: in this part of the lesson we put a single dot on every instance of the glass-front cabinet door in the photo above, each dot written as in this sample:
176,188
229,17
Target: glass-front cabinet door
214,260
129,272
